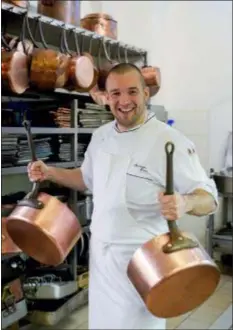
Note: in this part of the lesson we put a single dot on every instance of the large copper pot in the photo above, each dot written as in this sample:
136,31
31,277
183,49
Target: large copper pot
97,91
172,272
8,246
102,24
49,68
108,64
66,11
95,70
18,3
80,69
15,64
42,226
152,77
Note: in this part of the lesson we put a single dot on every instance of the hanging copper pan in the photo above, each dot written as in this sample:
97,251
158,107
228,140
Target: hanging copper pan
152,77
15,65
98,90
48,69
107,65
42,226
80,69
95,71
172,273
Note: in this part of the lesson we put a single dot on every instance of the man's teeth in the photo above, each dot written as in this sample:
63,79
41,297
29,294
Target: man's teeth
128,110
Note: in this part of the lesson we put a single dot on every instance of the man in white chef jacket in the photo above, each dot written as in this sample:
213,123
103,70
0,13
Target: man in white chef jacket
125,168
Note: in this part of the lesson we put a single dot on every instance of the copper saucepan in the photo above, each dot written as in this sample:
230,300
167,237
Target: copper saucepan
42,226
172,273
49,67
101,24
80,69
8,246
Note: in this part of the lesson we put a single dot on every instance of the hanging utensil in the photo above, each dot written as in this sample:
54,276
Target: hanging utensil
172,272
80,68
42,226
152,77
15,64
48,67
95,71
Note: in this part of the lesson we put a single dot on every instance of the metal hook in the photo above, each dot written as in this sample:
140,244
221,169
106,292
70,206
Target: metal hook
118,52
64,43
77,49
30,32
23,34
82,41
99,53
90,45
5,44
45,45
105,51
126,55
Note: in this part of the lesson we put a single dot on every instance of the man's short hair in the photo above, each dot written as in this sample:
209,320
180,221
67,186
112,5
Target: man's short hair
122,68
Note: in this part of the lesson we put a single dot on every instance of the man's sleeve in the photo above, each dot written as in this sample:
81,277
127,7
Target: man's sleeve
188,173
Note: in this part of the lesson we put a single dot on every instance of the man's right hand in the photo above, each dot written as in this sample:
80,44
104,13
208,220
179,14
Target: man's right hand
38,171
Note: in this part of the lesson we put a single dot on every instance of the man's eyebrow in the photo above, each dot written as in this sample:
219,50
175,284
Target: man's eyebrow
133,88
117,90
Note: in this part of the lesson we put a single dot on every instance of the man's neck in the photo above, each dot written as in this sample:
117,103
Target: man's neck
140,122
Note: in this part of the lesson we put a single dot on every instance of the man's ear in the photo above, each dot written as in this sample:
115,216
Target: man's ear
106,97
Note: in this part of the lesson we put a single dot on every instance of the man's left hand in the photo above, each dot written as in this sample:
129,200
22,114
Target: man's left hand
173,207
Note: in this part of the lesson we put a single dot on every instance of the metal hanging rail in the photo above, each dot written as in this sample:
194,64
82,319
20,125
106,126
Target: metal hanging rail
53,22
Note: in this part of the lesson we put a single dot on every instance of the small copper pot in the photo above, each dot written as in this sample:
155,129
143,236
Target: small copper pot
18,3
152,77
65,11
8,246
102,24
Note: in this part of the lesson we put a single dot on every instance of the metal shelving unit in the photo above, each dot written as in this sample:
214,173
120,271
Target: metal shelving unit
38,130
215,240
51,29
23,169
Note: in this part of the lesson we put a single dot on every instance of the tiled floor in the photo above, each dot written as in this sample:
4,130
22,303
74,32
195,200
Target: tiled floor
215,313
207,314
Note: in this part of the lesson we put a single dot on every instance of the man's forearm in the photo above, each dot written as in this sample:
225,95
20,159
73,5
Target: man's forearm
71,178
200,203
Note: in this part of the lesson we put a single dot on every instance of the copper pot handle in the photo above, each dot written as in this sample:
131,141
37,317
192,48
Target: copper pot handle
31,198
177,241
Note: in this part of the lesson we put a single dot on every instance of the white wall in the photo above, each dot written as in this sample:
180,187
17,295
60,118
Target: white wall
191,42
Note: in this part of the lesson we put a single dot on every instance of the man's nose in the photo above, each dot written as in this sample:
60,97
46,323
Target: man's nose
124,100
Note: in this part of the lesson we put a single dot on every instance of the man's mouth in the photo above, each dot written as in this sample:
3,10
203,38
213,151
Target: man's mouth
126,110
